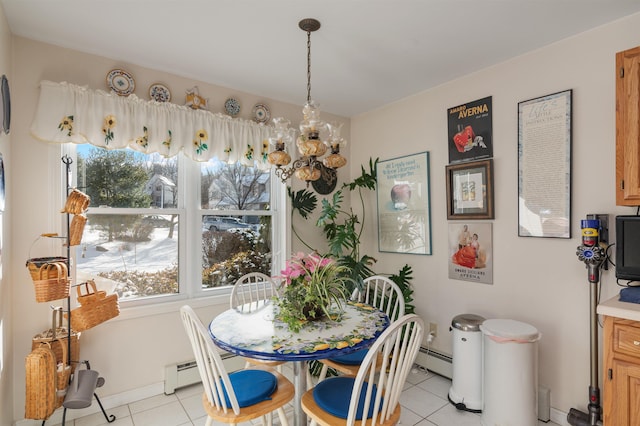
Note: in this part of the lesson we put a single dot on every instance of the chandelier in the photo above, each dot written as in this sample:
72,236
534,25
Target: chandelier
315,138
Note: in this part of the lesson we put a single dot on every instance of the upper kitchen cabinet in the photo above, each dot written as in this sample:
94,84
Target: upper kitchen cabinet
628,127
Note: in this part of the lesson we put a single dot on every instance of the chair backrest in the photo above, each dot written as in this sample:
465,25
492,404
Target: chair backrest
212,372
252,290
387,365
382,293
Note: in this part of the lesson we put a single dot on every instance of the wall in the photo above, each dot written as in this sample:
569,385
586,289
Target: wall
536,280
6,361
131,350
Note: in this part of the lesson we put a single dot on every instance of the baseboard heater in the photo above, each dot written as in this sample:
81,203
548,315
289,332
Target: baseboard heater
186,373
435,361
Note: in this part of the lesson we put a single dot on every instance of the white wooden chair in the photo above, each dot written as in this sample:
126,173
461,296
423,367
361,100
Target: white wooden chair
240,396
377,291
252,291
372,397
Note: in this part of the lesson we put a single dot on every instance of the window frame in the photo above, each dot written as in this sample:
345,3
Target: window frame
190,216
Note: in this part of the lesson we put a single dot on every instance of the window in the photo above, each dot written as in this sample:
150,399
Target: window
149,235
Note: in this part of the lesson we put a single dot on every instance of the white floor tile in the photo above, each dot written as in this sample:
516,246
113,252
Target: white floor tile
153,402
437,385
421,402
171,414
449,416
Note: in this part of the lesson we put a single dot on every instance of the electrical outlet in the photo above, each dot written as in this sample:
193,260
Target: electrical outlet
433,329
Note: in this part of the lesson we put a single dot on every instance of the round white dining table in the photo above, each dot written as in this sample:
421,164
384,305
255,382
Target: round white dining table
254,332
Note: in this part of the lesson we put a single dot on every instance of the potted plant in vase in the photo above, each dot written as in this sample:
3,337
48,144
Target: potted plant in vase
313,287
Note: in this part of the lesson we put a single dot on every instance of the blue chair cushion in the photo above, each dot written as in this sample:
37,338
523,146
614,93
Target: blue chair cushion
251,386
354,358
333,395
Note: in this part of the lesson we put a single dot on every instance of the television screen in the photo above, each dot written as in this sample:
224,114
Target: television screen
628,248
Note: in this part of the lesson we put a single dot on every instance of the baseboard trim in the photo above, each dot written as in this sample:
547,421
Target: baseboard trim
559,417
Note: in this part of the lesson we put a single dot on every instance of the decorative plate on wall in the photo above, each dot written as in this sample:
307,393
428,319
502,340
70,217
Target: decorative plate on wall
261,113
159,93
232,107
121,82
6,104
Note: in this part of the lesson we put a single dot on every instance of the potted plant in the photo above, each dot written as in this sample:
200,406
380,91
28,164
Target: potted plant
314,287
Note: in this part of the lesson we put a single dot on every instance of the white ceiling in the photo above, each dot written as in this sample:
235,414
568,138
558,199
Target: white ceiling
366,54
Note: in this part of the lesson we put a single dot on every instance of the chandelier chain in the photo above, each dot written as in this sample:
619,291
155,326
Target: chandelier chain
308,66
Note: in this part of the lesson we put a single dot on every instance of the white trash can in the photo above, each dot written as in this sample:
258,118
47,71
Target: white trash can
466,384
510,373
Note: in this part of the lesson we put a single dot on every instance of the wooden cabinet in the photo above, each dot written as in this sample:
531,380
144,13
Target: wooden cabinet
621,384
628,127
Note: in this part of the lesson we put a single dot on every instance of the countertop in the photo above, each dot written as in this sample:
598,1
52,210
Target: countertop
615,308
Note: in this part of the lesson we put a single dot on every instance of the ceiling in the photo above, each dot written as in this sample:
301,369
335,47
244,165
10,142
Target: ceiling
366,54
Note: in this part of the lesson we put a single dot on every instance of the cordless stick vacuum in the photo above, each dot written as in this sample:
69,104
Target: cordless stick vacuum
592,255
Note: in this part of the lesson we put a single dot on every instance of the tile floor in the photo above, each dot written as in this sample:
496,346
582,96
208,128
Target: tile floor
424,403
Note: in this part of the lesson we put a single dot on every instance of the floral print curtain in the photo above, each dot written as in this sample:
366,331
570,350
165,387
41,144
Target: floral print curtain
71,113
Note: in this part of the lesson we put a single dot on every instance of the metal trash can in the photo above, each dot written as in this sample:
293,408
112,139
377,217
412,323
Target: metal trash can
466,384
510,373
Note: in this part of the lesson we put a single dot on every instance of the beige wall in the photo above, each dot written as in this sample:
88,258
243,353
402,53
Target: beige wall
132,350
536,280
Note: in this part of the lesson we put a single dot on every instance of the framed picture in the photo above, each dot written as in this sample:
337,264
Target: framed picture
544,166
470,131
404,220
471,252
470,190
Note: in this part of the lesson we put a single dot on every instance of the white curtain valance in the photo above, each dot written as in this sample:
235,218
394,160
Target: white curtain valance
71,113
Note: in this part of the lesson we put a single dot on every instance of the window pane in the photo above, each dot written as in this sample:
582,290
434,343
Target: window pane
234,187
233,246
134,255
127,178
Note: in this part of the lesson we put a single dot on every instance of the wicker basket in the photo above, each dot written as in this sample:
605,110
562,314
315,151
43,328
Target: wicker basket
63,374
77,202
34,265
52,282
41,377
76,229
95,308
90,294
58,337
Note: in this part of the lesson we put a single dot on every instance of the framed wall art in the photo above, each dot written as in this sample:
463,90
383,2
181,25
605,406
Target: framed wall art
470,131
470,190
404,220
544,166
471,252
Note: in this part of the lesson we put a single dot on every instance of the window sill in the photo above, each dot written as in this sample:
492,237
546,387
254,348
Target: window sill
173,306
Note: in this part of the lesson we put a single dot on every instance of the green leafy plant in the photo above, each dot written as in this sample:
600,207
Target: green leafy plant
312,286
342,228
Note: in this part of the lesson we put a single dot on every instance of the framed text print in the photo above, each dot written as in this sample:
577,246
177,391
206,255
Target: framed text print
544,166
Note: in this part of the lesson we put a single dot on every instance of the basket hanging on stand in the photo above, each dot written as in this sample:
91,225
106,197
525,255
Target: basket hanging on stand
41,387
58,337
49,274
51,281
63,374
77,202
95,307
